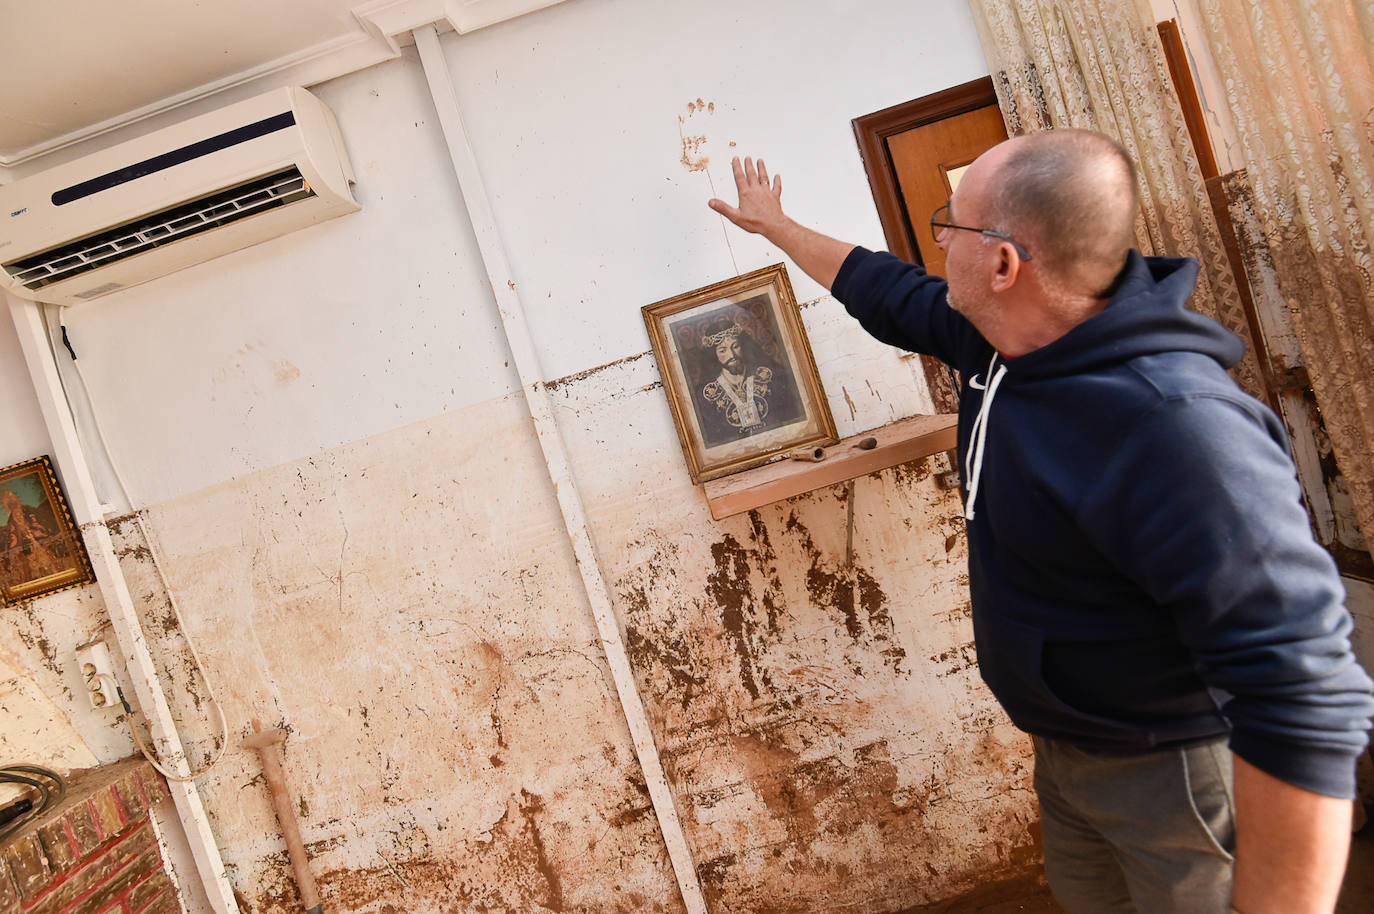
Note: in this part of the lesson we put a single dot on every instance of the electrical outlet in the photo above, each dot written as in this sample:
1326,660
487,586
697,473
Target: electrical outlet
97,671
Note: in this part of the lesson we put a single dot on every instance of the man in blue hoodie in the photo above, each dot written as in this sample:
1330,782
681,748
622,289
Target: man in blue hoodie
1148,601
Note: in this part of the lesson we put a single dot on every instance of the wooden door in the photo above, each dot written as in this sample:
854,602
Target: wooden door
914,154
930,159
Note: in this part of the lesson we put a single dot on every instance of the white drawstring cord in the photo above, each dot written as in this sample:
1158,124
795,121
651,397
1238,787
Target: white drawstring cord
978,434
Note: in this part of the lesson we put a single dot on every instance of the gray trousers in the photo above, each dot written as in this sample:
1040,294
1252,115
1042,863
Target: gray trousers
1137,833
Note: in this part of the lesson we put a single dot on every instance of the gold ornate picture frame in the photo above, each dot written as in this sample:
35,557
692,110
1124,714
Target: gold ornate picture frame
41,551
739,374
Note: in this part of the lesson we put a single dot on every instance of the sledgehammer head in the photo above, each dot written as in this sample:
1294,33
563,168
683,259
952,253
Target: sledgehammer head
261,739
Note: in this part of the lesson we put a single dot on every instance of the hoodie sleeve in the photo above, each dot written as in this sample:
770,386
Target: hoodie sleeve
902,305
1201,507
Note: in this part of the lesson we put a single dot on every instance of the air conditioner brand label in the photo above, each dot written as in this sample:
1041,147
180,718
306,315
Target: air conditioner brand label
19,212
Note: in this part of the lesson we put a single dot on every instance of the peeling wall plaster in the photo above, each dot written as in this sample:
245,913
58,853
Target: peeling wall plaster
46,709
37,728
823,725
406,606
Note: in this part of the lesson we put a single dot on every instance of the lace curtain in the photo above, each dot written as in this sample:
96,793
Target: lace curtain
1300,90
1069,63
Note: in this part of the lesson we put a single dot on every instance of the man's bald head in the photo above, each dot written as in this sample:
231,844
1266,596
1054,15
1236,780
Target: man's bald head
1070,197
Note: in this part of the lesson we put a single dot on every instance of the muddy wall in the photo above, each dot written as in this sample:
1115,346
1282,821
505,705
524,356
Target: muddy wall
324,442
818,708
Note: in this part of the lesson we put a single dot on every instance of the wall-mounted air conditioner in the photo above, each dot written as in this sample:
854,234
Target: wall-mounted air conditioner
174,198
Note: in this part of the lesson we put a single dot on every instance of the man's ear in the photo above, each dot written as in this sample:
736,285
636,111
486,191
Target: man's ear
1007,268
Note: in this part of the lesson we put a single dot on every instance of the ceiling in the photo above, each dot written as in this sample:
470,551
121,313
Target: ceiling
70,71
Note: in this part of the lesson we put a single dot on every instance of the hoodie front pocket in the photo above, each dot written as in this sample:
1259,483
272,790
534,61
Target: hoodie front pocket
1011,658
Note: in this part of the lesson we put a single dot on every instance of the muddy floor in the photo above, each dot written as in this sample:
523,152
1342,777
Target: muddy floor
1031,895
1026,895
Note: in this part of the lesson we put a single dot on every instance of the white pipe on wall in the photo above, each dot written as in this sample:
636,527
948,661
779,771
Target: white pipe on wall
560,470
85,504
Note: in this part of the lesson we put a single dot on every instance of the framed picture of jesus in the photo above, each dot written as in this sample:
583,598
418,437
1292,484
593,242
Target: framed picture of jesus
739,374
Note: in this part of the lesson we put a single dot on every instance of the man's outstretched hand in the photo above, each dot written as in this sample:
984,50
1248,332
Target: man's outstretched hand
760,204
760,211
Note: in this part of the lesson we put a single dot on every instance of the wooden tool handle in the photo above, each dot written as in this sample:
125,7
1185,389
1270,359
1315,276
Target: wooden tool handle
290,828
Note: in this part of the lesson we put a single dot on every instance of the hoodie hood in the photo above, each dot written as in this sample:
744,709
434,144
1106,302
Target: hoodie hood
1146,315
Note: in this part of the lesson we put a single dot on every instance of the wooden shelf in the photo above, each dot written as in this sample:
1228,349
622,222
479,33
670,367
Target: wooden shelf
902,441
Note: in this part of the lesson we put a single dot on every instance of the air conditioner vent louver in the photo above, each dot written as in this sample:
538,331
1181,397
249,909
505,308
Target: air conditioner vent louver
166,227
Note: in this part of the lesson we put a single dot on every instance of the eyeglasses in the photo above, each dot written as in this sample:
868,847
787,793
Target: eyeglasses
938,220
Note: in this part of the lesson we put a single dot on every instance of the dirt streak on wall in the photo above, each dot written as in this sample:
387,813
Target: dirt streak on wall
820,714
406,607
45,715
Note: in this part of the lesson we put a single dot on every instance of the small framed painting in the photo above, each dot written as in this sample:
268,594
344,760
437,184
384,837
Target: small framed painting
40,548
739,373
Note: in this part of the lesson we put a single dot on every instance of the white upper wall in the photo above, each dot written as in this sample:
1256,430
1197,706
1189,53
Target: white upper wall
383,318
578,117
25,435
335,333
